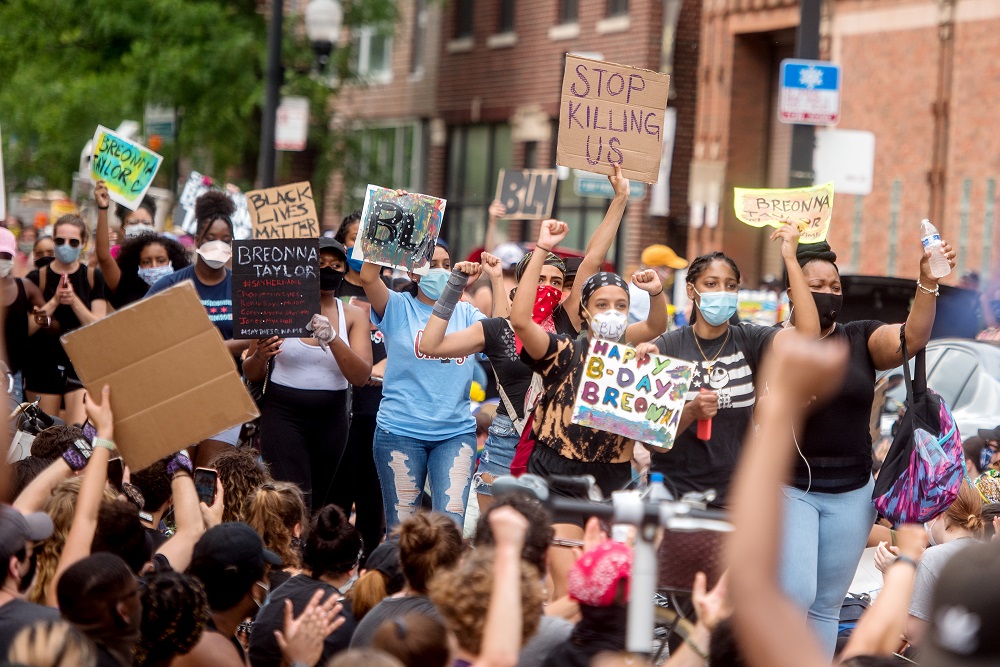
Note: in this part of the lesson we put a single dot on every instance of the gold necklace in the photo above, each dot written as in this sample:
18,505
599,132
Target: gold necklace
710,363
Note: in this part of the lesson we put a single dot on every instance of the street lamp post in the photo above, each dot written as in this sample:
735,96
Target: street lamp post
323,19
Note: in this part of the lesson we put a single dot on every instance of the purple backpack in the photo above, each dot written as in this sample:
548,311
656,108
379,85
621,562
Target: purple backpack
923,470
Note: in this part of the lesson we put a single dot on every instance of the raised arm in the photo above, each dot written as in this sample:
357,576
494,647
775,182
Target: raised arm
493,270
497,211
39,490
501,644
375,289
102,242
806,315
435,342
187,513
532,336
656,322
599,245
884,343
782,637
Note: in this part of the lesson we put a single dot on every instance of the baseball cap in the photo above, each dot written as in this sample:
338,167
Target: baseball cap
661,255
334,245
966,602
233,546
385,559
8,243
509,254
593,581
17,529
990,433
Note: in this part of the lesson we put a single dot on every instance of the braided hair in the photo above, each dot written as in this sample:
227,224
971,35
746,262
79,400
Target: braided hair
174,614
701,264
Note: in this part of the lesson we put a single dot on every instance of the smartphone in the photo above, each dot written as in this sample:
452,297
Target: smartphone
90,432
116,472
43,320
204,484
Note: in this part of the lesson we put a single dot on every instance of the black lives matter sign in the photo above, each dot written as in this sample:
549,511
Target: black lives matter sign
275,287
527,194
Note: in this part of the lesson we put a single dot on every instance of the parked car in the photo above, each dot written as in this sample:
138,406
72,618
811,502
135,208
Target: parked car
966,373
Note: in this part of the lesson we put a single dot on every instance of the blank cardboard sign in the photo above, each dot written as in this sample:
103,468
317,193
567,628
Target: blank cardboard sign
173,382
612,114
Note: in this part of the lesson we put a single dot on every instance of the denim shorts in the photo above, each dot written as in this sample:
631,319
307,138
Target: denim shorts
498,453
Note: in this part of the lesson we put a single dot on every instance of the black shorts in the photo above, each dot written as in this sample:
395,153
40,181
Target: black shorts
610,477
50,378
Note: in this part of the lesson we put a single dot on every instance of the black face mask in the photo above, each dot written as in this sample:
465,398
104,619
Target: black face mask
330,279
828,306
43,261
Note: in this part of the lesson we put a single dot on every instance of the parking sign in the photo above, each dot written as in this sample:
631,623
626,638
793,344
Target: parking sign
810,92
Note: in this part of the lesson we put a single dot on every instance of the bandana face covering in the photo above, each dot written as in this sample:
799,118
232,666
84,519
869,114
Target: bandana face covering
547,298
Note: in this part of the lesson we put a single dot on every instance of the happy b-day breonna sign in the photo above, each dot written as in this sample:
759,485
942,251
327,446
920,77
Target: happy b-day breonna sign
399,231
810,208
126,167
641,400
612,114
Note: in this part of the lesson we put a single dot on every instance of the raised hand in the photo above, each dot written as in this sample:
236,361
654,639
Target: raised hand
509,527
101,195
99,413
497,209
551,234
713,606
789,235
491,266
648,281
619,183
301,640
925,262
470,269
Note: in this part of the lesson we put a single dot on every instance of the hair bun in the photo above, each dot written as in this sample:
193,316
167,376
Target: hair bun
214,204
807,252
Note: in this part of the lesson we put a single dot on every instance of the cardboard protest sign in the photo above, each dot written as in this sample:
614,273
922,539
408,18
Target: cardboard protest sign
173,382
125,166
284,212
527,194
399,231
641,401
612,114
810,208
275,287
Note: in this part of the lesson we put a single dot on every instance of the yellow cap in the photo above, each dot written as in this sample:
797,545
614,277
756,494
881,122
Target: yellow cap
661,255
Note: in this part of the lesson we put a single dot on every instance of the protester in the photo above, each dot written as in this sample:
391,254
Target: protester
277,511
21,538
429,543
330,560
417,640
664,261
306,410
52,643
240,472
384,577
73,296
425,428
142,261
100,595
213,283
20,298
562,447
43,252
829,513
174,616
975,451
365,657
24,260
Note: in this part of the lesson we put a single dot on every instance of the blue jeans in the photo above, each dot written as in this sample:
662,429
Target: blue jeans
404,465
824,537
497,455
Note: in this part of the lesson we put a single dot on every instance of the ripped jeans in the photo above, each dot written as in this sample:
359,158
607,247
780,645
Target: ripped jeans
404,465
497,455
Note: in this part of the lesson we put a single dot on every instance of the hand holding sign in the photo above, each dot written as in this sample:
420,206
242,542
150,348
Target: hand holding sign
789,235
809,209
399,229
101,195
126,166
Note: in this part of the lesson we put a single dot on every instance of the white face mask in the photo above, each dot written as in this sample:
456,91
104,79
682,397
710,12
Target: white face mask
609,325
138,229
215,254
6,266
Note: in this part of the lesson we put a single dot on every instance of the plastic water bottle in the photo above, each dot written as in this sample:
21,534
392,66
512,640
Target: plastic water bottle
657,490
931,239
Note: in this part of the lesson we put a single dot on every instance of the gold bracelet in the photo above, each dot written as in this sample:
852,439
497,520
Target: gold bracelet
936,291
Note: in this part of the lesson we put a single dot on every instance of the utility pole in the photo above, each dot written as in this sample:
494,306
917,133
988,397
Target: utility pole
803,136
272,90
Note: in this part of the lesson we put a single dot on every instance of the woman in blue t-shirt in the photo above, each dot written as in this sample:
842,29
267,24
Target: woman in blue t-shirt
425,427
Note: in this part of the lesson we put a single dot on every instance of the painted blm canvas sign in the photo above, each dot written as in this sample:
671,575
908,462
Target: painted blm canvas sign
399,230
639,400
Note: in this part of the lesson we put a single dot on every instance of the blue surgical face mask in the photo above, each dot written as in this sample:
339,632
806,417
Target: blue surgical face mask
717,307
433,283
354,264
67,254
151,274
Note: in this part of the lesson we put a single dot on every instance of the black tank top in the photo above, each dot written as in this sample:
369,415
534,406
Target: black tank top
16,329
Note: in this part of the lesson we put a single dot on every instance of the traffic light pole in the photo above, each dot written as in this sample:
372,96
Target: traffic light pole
803,136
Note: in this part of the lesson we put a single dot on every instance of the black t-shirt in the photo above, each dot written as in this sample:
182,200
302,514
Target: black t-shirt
564,325
388,609
17,615
695,465
16,327
365,400
837,441
45,347
264,651
514,375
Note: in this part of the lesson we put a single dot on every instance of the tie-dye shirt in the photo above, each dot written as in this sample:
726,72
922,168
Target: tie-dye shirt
217,299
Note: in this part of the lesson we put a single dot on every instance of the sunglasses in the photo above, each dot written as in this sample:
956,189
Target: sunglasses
74,243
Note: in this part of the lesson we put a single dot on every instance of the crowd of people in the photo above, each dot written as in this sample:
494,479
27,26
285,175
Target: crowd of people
360,522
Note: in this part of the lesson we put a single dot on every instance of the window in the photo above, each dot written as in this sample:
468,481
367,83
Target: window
371,53
617,7
463,18
583,215
417,39
388,156
506,16
569,11
955,369
476,154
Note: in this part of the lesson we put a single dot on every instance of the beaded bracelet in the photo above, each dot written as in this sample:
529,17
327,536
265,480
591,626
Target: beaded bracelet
936,291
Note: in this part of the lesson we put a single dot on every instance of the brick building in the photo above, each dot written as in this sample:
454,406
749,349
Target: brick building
921,75
496,105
